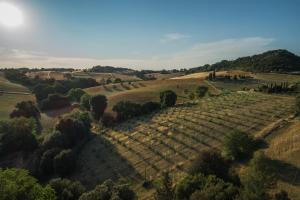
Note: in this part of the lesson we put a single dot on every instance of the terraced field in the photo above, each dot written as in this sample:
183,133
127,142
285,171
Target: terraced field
170,139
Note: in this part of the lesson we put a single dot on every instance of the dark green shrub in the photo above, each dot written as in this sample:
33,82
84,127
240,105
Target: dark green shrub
46,162
126,110
66,189
189,185
282,195
201,91
42,91
26,109
238,145
168,98
54,101
98,105
149,107
17,135
64,162
108,120
75,94
56,140
215,189
17,184
210,163
85,101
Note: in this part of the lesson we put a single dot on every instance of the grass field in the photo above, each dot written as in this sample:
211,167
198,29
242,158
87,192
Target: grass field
9,86
284,145
170,139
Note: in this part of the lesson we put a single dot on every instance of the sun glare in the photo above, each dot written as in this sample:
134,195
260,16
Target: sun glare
10,15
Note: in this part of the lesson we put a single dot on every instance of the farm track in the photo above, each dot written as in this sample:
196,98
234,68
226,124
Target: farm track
172,138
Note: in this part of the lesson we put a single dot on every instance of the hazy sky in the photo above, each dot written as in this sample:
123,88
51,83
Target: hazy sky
146,34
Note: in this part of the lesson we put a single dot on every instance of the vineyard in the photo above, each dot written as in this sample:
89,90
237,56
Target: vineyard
172,138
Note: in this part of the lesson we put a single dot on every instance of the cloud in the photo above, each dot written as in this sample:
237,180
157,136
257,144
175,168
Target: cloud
196,55
171,37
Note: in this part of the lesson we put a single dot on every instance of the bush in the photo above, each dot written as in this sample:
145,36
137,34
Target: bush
66,189
17,184
42,91
165,190
54,101
74,130
17,135
168,98
149,107
189,185
98,104
215,189
56,140
75,94
108,120
64,162
46,162
201,91
210,163
85,101
109,190
238,145
26,109
126,110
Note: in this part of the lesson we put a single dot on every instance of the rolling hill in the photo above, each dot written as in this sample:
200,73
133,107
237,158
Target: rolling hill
271,61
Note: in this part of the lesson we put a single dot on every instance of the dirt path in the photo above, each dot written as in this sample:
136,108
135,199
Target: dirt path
12,92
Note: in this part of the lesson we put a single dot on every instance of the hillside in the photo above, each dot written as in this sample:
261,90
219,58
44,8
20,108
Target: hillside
270,61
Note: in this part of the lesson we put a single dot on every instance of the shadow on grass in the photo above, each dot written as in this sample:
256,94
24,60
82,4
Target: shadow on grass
99,160
286,172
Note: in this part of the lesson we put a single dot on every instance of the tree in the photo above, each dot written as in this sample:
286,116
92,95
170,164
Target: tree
66,189
42,91
215,189
75,94
168,98
17,184
210,163
238,145
46,162
17,135
98,105
85,101
108,120
109,190
54,101
126,110
187,186
149,107
64,162
26,109
165,191
201,91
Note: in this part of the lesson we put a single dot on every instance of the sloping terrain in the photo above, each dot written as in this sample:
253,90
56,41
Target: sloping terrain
171,138
284,146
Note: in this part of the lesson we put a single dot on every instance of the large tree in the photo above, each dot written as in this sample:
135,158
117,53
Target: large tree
17,184
98,105
25,109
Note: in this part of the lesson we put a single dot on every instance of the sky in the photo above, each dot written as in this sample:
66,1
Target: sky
146,34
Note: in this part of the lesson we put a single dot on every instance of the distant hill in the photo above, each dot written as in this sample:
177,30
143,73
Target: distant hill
270,61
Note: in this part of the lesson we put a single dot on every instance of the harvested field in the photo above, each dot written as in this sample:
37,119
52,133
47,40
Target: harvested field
172,138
